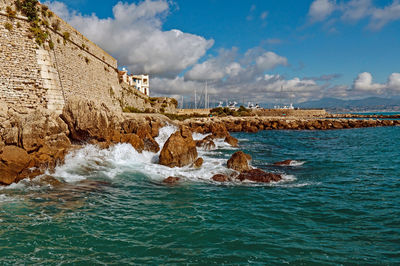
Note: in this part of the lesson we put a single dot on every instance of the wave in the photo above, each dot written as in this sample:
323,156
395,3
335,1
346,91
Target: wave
92,162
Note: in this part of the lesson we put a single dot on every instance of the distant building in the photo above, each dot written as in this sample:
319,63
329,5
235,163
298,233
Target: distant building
140,82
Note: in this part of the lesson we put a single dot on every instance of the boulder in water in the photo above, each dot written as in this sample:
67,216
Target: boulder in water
179,150
198,163
239,161
220,178
232,141
171,180
258,175
284,163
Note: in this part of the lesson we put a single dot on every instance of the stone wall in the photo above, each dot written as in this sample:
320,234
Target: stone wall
33,75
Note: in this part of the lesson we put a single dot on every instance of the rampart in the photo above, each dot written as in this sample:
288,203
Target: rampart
33,75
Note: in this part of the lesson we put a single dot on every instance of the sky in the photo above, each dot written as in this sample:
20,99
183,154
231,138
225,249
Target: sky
256,50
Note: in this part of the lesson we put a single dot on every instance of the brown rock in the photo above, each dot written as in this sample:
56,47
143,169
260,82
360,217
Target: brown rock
219,130
150,144
198,163
13,161
206,143
171,180
257,175
283,163
239,161
89,120
220,178
134,140
232,141
179,150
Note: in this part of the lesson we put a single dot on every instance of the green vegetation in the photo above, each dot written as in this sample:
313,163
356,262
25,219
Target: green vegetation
66,35
10,12
87,60
56,25
174,102
28,8
40,35
18,25
8,26
183,117
51,45
162,110
131,109
242,111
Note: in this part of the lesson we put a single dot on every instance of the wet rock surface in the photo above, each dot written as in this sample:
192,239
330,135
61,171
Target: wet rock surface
284,163
221,178
239,161
171,180
257,175
179,150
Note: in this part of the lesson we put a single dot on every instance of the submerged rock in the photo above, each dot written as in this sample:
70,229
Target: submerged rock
220,178
239,161
179,150
258,175
171,180
232,141
198,163
284,163
207,143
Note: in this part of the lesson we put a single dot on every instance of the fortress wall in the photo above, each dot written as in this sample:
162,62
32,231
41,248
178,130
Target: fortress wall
32,76
84,68
20,77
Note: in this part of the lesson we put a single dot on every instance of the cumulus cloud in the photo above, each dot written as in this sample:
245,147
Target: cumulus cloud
321,9
354,11
364,83
135,37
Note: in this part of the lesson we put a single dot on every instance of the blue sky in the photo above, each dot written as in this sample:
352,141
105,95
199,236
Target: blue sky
349,48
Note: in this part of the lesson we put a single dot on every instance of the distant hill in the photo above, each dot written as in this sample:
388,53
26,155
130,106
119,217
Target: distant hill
371,103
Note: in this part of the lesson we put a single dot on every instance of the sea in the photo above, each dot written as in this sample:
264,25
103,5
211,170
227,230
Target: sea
338,204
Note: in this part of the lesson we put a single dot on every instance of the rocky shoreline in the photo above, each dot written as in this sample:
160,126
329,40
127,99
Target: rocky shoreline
33,143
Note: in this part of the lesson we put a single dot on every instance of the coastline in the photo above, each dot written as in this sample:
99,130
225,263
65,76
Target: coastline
35,143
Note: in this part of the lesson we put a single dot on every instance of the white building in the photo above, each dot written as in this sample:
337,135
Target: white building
140,82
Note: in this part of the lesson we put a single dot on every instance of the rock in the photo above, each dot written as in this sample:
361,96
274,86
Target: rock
179,150
207,143
283,163
134,140
219,130
150,144
89,120
257,175
220,178
239,161
198,163
12,136
171,180
13,161
232,141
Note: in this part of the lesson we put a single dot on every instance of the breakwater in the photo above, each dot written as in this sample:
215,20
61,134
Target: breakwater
255,124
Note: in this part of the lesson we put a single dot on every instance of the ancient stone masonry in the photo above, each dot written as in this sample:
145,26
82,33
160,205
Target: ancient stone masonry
33,75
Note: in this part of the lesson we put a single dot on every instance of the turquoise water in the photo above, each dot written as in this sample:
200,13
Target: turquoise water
342,206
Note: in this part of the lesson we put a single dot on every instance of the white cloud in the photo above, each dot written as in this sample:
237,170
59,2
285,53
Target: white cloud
264,15
354,11
321,9
270,60
394,82
135,37
364,83
381,17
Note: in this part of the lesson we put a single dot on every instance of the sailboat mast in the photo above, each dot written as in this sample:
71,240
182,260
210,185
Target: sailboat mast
205,98
195,99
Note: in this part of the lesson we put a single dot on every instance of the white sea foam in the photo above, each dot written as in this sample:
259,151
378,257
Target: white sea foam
296,163
93,162
5,198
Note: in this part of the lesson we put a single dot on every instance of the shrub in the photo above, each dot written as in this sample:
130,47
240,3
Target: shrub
174,102
56,25
66,35
18,25
10,12
50,14
87,60
131,109
51,45
28,8
8,26
162,110
164,105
